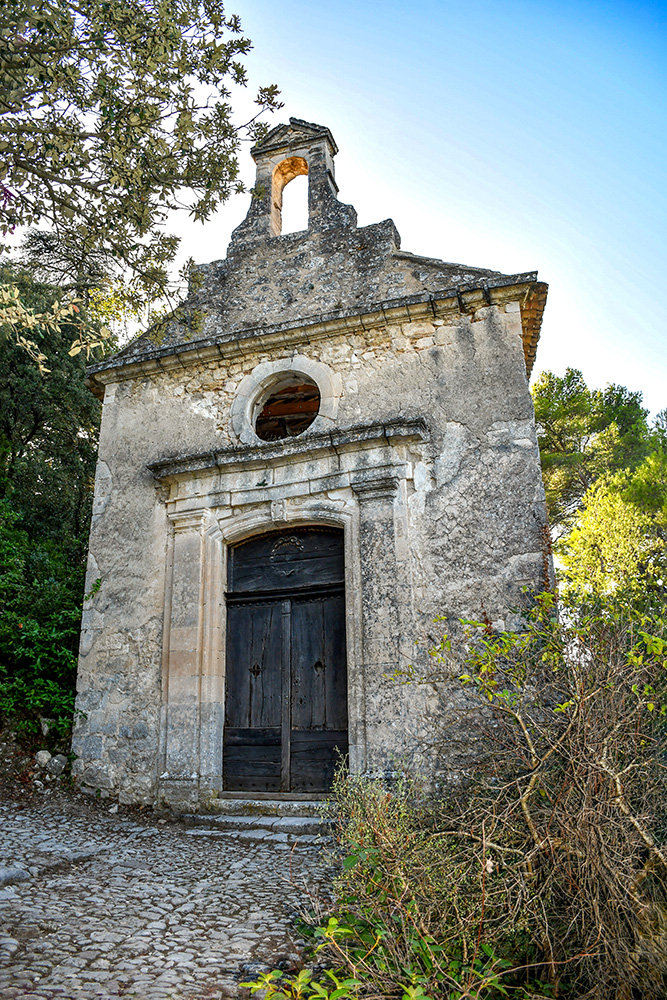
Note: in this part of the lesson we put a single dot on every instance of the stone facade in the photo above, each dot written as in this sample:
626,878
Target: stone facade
423,451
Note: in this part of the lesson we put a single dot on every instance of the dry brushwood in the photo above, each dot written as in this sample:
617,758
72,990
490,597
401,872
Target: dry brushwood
548,875
575,780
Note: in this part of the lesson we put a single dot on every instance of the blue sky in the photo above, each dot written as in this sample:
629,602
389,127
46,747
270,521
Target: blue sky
509,135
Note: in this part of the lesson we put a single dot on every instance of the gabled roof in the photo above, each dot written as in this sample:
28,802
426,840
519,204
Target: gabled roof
297,133
329,276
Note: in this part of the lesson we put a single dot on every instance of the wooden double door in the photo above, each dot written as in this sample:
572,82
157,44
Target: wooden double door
286,673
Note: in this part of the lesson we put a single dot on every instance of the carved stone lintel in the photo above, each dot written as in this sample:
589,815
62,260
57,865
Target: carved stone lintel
408,430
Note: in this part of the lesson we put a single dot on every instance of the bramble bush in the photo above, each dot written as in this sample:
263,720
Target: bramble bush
544,873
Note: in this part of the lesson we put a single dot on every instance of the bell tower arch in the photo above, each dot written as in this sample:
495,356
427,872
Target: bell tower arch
285,153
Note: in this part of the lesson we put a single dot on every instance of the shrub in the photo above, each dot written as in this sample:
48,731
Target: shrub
544,873
40,616
575,781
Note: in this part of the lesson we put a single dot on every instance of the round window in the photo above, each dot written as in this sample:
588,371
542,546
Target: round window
287,407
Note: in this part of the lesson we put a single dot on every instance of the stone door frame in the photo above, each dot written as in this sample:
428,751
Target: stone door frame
368,501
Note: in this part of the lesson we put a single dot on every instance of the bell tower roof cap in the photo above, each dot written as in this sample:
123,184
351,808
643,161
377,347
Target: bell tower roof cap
297,134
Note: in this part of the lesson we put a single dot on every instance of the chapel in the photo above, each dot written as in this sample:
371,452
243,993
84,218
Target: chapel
324,461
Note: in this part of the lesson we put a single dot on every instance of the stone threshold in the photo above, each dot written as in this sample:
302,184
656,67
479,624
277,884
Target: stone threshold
268,805
277,796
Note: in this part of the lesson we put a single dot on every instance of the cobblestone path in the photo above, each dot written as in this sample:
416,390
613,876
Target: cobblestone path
104,906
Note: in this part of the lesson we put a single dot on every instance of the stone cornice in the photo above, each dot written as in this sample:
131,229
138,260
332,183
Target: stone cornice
382,488
532,310
463,299
188,521
282,136
228,459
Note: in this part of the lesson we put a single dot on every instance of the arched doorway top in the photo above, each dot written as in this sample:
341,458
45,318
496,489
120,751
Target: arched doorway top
285,559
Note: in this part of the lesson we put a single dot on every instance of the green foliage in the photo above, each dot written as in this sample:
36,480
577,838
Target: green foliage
48,437
64,261
48,424
408,908
304,986
412,906
39,629
112,114
605,476
647,487
585,434
24,324
660,430
577,785
618,545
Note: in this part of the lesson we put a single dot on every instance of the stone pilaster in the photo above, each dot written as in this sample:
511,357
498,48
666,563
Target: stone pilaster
379,570
212,693
183,655
381,614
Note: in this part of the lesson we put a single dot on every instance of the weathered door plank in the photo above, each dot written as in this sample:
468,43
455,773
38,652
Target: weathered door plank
286,708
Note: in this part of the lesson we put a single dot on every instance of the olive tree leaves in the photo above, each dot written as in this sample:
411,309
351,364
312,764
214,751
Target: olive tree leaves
112,114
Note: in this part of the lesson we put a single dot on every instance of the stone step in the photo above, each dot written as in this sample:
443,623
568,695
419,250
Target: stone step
227,806
273,827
